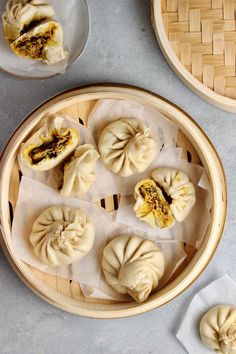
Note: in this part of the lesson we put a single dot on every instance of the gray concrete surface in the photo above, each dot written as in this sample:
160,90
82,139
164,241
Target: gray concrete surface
121,48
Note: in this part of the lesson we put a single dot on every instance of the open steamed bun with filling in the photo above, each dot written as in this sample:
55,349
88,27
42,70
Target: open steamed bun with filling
20,14
168,197
132,265
178,188
151,205
218,329
43,42
61,236
49,146
127,147
32,33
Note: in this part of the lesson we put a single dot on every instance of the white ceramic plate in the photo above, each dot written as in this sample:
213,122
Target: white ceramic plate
74,17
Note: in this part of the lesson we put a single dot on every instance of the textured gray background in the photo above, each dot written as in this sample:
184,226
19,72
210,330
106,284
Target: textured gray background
121,48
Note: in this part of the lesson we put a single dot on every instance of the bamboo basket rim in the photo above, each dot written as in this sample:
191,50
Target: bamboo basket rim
199,88
201,263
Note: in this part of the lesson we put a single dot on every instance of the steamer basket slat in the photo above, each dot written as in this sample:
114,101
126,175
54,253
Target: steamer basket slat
67,294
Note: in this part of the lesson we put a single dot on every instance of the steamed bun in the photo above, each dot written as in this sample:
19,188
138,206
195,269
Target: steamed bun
151,205
21,13
218,329
126,147
49,146
178,188
62,235
80,171
48,47
133,266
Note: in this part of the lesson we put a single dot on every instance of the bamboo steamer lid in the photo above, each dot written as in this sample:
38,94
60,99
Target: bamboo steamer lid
198,39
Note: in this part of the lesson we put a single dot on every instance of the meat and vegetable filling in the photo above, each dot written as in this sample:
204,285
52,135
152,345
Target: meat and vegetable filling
33,46
50,148
31,25
154,201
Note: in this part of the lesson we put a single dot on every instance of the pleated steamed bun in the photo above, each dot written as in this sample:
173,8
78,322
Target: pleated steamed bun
218,329
178,188
61,236
126,147
80,171
132,265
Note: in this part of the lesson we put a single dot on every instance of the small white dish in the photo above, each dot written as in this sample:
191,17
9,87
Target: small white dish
74,17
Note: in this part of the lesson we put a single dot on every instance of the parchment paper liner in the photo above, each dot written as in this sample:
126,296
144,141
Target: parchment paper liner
165,134
193,228
52,178
219,292
35,197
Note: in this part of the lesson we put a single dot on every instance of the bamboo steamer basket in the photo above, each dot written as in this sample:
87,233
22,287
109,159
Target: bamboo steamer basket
197,148
198,40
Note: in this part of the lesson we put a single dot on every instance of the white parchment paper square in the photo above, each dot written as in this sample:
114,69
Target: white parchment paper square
108,110
193,228
220,291
174,256
168,156
52,178
162,129
33,199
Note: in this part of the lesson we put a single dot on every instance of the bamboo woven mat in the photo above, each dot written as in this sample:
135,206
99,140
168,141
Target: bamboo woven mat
202,33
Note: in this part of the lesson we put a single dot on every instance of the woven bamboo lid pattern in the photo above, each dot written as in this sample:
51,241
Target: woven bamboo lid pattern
202,34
